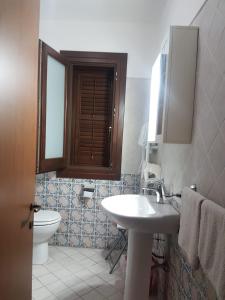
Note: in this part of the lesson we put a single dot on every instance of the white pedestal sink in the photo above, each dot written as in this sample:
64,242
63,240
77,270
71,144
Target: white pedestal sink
142,216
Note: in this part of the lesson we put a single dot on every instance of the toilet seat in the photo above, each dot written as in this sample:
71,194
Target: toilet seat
46,217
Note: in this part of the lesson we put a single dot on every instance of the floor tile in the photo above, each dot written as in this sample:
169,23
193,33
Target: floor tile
82,288
118,296
97,258
87,262
93,295
62,273
56,287
39,270
107,290
87,252
76,274
75,268
52,297
85,274
97,269
53,266
47,279
71,280
41,294
63,294
66,261
95,281
36,284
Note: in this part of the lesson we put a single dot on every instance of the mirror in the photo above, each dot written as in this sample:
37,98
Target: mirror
157,98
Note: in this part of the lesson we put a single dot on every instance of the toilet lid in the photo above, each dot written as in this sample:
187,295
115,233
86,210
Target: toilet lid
46,217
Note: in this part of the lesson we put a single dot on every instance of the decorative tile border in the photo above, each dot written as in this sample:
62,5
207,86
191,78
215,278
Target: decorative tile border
182,282
82,226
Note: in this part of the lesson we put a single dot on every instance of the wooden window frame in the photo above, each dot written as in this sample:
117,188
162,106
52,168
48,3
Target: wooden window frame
118,61
52,164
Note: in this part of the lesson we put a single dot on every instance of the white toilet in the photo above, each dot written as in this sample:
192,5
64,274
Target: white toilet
46,222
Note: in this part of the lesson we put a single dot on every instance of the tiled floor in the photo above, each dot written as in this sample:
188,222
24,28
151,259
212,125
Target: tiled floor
76,273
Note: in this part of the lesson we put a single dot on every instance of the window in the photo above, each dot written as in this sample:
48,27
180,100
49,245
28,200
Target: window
93,114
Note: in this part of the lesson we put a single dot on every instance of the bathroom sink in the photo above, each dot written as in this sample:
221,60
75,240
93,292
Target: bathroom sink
142,216
142,213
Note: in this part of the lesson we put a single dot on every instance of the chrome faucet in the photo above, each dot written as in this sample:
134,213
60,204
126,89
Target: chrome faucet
158,196
160,190
163,192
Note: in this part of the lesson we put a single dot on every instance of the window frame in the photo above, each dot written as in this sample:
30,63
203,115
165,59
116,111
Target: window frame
118,61
51,164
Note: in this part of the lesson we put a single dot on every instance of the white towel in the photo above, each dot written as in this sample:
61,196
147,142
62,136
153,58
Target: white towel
188,238
211,249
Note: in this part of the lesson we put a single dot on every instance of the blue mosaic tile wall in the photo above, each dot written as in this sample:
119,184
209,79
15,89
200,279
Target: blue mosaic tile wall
82,226
182,283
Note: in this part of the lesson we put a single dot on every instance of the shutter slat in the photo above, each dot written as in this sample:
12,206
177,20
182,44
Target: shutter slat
95,96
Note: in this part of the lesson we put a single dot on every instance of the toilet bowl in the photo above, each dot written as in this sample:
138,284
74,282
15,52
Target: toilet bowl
46,222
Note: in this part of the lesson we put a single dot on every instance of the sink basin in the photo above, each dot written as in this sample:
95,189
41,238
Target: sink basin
142,216
142,213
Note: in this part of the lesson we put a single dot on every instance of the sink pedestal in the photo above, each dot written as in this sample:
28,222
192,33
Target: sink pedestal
138,266
142,216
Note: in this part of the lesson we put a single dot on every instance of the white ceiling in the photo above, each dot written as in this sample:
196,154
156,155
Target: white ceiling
103,10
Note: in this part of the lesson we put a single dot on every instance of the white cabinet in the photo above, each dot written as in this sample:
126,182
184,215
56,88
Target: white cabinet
179,93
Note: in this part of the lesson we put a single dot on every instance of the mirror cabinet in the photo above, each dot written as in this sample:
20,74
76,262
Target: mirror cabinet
173,87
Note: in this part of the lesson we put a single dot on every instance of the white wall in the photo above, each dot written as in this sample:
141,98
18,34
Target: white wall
133,38
104,25
131,30
144,11
94,33
113,37
179,12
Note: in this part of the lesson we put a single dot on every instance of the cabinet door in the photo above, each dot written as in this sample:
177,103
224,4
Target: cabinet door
180,85
51,150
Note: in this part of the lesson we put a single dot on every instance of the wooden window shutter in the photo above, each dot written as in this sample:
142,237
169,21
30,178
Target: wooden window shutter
93,124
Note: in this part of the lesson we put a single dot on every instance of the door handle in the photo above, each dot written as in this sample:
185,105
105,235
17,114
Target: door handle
35,207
